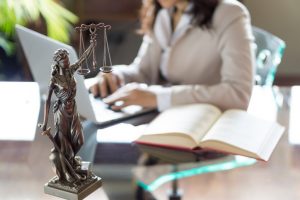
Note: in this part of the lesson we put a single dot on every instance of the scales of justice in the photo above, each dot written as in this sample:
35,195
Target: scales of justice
74,178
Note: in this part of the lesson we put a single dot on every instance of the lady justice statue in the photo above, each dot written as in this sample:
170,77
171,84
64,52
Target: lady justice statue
74,179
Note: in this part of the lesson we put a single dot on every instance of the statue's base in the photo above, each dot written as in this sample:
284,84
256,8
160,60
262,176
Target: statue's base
76,192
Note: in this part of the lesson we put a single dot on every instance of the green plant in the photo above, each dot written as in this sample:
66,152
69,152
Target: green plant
58,19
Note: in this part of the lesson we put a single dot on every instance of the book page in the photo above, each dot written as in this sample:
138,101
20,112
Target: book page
241,130
190,120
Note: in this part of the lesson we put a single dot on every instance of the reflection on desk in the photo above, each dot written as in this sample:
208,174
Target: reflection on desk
24,173
23,177
151,177
276,179
24,152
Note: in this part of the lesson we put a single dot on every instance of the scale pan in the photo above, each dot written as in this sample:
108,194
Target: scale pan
106,69
83,71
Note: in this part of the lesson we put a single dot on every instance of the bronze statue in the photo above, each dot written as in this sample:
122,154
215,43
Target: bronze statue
68,138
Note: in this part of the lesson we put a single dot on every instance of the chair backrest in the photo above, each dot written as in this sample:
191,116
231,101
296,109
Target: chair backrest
269,52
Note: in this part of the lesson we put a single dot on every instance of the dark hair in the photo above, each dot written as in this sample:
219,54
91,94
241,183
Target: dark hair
59,54
202,12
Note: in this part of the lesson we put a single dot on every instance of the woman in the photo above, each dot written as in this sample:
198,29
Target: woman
68,136
194,51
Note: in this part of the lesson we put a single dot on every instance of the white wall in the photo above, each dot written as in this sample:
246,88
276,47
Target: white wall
282,18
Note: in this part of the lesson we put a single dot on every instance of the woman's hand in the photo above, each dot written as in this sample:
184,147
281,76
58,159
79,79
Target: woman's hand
107,84
132,94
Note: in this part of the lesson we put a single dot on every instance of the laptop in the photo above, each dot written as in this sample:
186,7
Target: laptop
39,50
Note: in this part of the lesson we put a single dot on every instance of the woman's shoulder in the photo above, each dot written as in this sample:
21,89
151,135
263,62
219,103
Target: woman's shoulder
231,7
228,11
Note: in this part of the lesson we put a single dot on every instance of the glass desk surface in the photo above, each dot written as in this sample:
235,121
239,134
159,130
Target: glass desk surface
25,168
151,177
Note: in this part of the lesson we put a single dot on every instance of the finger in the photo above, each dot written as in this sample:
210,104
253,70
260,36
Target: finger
103,87
94,90
112,82
120,104
120,81
112,99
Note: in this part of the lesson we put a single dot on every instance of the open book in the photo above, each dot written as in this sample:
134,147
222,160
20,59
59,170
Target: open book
204,126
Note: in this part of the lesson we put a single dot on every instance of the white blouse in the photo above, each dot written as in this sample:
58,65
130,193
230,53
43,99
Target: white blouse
214,66
167,38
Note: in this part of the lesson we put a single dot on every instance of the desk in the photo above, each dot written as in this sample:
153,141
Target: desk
277,179
24,168
24,152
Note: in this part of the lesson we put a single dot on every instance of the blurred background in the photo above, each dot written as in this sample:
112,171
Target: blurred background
57,19
280,18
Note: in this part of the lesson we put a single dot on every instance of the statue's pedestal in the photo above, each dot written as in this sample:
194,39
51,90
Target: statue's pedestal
77,192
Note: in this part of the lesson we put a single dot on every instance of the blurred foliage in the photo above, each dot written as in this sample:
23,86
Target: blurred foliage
58,19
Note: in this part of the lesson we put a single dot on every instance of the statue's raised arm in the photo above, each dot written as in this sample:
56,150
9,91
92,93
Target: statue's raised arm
86,54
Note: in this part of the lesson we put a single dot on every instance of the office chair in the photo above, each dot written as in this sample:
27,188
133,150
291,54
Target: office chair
269,52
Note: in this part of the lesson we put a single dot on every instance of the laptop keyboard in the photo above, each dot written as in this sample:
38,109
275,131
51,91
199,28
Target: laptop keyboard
104,114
